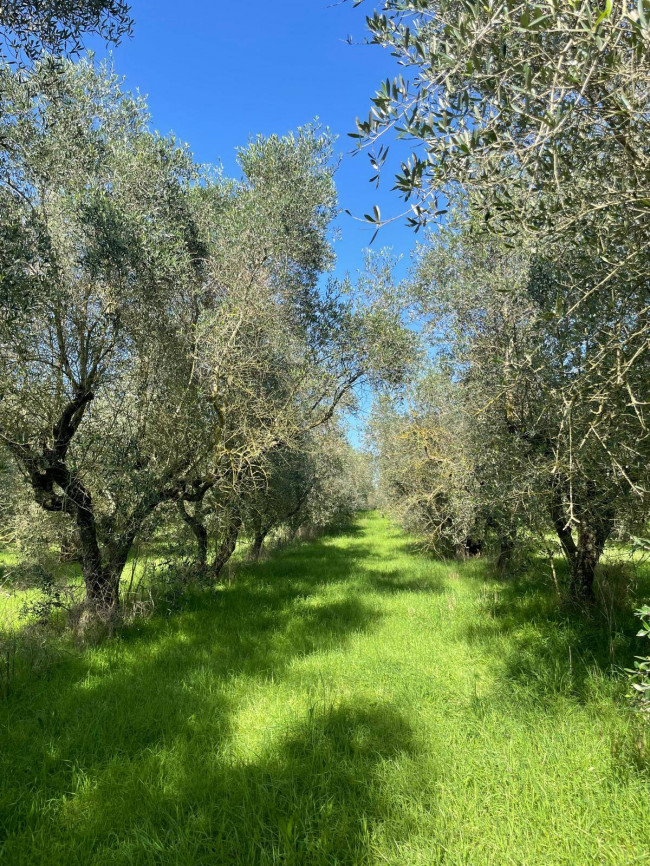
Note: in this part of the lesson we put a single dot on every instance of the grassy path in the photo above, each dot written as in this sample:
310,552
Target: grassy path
347,702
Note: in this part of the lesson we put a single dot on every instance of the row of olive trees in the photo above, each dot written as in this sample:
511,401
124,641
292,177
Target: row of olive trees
163,338
530,130
315,482
498,444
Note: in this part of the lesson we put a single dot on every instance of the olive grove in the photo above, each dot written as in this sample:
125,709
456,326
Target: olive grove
163,334
489,454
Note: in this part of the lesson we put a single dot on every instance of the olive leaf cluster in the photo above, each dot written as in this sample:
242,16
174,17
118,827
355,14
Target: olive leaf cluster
31,28
538,110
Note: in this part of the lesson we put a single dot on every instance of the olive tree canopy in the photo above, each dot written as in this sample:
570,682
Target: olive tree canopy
533,119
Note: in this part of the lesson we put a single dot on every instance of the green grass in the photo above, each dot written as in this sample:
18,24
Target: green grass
146,566
349,701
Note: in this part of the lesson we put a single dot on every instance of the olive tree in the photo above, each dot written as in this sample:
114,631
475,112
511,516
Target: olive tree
534,118
281,381
539,440
98,254
161,327
344,483
428,477
281,354
280,492
321,483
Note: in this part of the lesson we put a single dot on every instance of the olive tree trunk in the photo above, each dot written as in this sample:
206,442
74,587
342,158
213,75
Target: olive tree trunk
227,546
505,555
595,523
199,531
256,547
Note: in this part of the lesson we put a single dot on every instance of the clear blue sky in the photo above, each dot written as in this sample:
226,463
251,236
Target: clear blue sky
216,73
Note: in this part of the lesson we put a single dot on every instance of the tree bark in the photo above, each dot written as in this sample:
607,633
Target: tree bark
469,547
595,525
507,545
200,533
227,546
258,542
101,592
48,473
116,554
592,536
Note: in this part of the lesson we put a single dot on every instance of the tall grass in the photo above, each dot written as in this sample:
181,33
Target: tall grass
349,701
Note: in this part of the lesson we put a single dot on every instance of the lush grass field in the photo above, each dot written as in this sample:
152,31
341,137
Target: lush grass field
347,702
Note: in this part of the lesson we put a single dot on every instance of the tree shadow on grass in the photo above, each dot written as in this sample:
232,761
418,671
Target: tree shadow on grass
106,718
395,582
549,655
416,548
320,796
553,648
315,797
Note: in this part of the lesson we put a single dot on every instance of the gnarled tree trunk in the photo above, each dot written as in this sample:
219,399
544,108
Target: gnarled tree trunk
260,533
227,546
198,529
102,593
58,488
595,523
